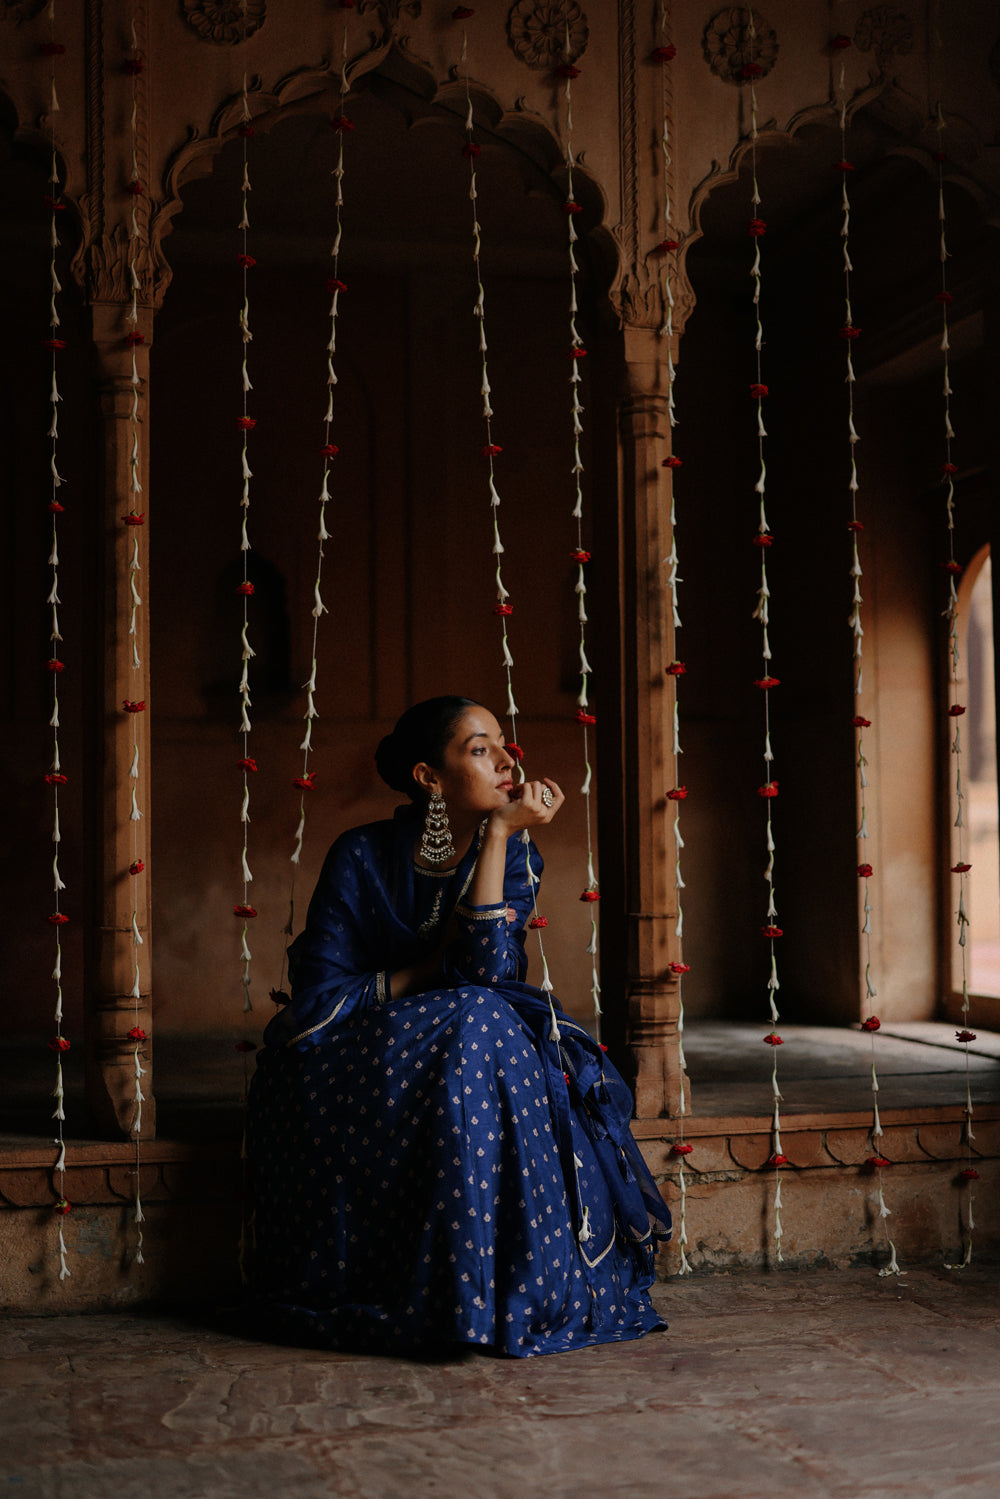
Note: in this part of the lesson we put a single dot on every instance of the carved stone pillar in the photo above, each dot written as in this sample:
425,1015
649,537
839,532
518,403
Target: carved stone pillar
122,749
647,745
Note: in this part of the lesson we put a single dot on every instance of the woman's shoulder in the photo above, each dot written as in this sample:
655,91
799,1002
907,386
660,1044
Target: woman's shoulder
370,839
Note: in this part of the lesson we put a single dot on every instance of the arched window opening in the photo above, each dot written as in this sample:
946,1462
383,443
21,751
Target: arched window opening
981,799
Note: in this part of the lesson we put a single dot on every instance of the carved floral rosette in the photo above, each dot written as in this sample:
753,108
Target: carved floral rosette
224,23
730,49
545,33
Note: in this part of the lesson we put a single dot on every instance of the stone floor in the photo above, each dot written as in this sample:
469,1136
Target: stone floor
834,1385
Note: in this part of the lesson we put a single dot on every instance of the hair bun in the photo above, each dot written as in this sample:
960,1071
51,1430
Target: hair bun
390,763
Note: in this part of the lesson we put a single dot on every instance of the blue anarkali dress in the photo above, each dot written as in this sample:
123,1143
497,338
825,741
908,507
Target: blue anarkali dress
451,1167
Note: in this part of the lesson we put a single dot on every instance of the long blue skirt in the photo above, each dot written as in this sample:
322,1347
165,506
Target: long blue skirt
431,1176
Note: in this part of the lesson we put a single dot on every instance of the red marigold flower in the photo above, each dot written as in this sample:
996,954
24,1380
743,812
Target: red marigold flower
773,931
55,344
956,710
342,123
773,1039
953,567
969,1174
939,156
677,794
470,150
305,783
55,664
965,1036
245,1046
679,967
329,450
756,228
582,716
135,518
664,54
580,556
248,763
135,338
246,589
538,921
751,70
672,462
571,206
676,669
865,871
246,261
246,423
766,682
758,391
52,49
871,1023
567,70
133,67
54,507
763,539
62,1207
566,1076
334,283
960,868
58,1043
945,298
247,911
515,752
861,723
840,42
589,896
462,13
491,450
666,245
134,707
57,919
855,525
134,188
769,788
56,778
602,1045
876,1161
136,867
136,1033
54,204
502,609
246,129
949,468
776,1159
681,1147
578,353
850,331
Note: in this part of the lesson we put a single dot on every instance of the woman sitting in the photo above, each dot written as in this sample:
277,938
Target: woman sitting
440,1156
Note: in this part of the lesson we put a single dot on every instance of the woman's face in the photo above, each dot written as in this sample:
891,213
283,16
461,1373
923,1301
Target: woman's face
475,775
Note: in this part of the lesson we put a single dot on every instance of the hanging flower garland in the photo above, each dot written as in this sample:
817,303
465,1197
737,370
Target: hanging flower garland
134,520
491,450
666,253
55,776
956,710
245,424
850,333
580,555
766,682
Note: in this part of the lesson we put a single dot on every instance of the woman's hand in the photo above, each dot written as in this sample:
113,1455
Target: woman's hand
532,805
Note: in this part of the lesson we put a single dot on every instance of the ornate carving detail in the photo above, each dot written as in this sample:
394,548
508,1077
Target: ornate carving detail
545,33
21,10
730,49
390,15
226,22
884,31
108,273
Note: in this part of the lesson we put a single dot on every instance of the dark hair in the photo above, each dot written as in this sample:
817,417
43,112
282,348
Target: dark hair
422,733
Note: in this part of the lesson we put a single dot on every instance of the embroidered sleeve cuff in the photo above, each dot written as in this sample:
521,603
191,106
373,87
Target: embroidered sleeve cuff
481,913
381,989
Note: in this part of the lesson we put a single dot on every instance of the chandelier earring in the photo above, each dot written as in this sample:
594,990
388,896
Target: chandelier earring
436,846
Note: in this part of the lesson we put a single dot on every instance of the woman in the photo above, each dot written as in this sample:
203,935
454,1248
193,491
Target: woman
439,1156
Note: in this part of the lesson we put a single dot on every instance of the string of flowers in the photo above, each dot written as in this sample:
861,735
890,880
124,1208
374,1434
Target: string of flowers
305,781
491,450
767,682
666,251
134,519
55,776
956,710
246,423
580,555
876,1162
